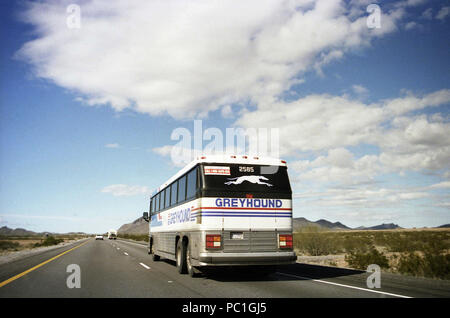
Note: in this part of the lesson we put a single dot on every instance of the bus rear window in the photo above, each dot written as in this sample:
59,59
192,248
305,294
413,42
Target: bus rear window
246,178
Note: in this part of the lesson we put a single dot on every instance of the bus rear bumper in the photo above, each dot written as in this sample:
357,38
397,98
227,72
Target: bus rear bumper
235,259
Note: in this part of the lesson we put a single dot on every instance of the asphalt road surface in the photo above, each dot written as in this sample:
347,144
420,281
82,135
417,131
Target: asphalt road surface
120,268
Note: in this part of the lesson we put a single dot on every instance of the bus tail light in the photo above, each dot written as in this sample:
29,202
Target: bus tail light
213,241
285,241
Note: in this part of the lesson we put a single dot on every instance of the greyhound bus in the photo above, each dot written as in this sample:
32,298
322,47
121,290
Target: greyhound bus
223,211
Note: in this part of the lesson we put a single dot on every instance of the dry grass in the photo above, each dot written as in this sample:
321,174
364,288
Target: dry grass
14,243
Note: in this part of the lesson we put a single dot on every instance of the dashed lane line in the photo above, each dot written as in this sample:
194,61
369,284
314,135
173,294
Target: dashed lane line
342,285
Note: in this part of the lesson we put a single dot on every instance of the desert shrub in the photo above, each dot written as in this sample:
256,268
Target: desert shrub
135,237
432,265
362,260
8,245
425,241
314,241
382,238
410,263
419,253
49,241
437,265
357,244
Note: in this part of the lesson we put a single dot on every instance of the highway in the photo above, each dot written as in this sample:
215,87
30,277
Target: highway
118,268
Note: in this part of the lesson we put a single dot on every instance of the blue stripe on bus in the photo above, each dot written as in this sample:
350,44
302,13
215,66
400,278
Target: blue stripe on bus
248,216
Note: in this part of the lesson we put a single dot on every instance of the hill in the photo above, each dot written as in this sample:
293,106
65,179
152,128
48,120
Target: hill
384,226
138,226
301,222
6,231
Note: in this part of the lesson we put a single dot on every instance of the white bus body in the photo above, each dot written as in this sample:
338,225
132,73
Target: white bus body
235,210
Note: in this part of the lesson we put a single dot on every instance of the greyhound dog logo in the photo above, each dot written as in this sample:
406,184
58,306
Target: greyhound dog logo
252,179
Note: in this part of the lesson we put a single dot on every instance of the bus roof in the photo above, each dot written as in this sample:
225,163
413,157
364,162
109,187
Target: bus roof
231,159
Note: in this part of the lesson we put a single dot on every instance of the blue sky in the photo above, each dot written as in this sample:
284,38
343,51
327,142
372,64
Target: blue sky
86,114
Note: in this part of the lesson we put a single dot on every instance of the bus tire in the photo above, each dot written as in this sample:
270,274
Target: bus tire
151,250
192,271
181,257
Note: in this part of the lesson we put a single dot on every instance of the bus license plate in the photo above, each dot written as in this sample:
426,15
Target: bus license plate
237,235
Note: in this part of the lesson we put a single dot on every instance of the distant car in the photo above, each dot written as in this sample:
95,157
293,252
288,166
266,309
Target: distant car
99,237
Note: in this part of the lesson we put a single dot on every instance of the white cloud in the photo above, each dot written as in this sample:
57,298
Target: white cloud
326,58
227,112
412,25
360,90
316,122
417,144
112,146
339,166
410,102
125,190
427,14
443,13
188,58
319,123
360,197
441,185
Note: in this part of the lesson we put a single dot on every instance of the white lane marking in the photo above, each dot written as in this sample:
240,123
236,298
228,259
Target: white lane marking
342,285
125,253
118,248
143,265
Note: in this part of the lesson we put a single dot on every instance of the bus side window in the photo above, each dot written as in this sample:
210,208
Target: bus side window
157,203
163,202
181,189
191,184
174,187
168,196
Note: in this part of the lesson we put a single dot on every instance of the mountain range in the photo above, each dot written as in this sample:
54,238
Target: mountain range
139,226
6,231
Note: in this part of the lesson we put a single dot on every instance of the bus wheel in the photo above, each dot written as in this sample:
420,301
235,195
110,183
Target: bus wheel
181,257
151,250
192,271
